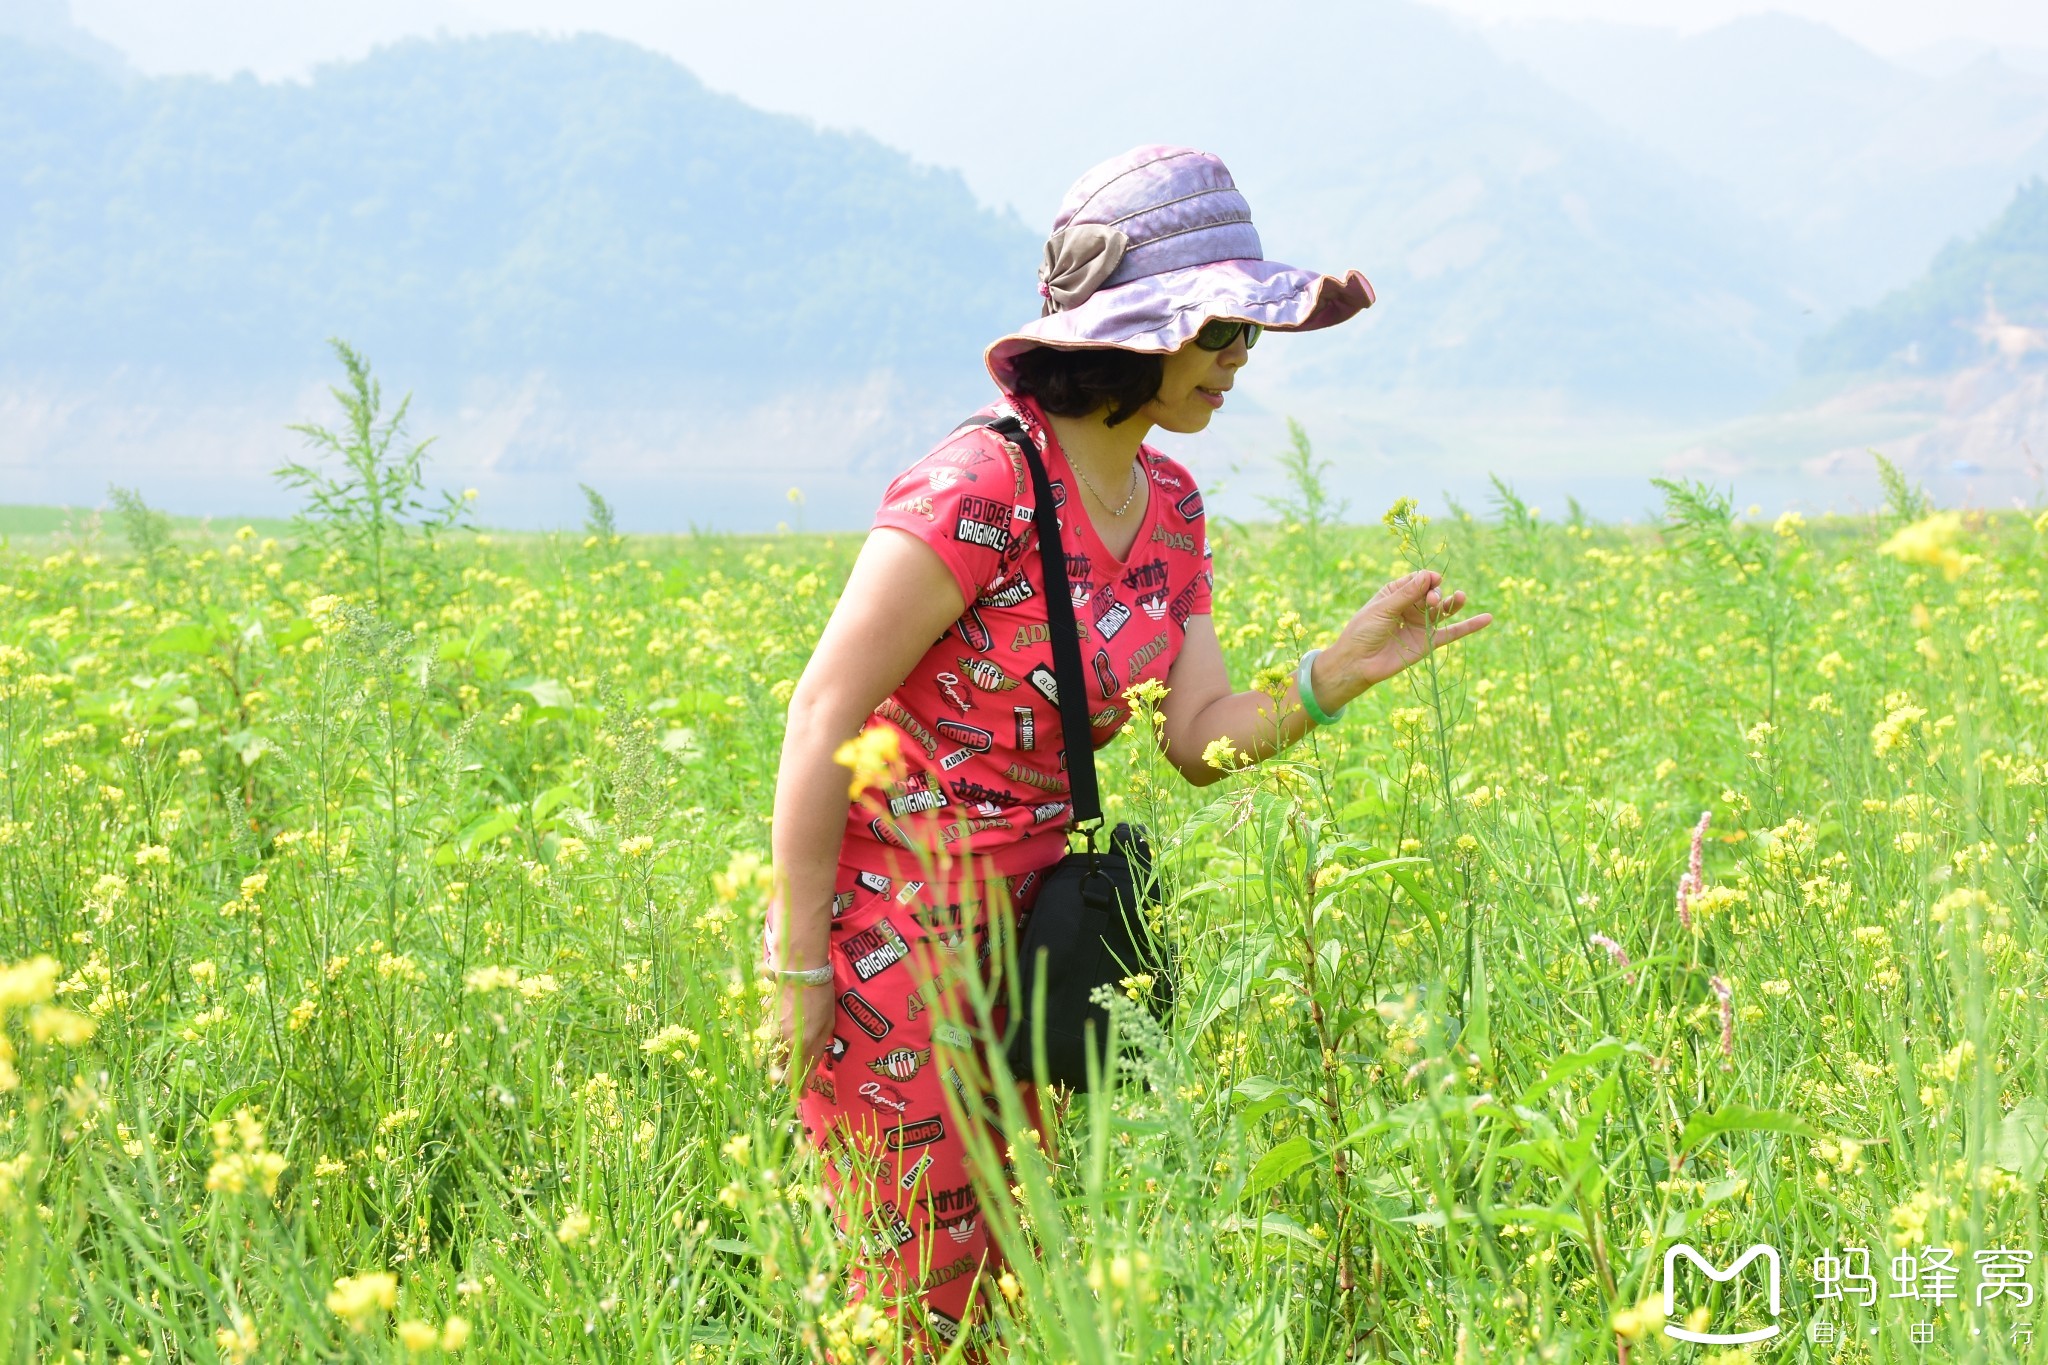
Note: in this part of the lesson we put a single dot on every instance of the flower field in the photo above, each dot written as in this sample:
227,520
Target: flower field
378,914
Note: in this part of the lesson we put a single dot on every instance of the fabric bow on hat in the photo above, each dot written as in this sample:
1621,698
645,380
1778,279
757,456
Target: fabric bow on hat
1077,260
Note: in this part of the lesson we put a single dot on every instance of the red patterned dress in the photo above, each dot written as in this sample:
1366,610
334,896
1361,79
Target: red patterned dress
982,806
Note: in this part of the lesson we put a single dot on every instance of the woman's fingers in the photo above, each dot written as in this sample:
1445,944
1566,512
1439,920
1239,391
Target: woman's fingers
1458,630
1442,607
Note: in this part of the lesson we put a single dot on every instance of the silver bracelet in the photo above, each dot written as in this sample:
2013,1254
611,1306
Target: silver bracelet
803,976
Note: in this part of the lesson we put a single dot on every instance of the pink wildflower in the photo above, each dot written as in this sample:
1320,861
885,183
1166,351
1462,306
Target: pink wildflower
1726,995
1693,880
1615,953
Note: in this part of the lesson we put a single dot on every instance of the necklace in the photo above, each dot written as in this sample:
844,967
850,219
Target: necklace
1089,484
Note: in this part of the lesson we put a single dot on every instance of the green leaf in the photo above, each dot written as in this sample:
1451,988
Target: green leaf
1261,1097
2022,1142
1570,1065
190,638
733,1248
1478,1036
250,746
235,1099
545,803
1271,1225
547,692
1739,1118
1553,1220
698,701
1279,1164
486,828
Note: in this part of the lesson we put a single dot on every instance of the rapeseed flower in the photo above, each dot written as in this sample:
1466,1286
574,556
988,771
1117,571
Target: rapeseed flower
417,1337
237,1341
27,983
872,757
1891,732
356,1299
1930,542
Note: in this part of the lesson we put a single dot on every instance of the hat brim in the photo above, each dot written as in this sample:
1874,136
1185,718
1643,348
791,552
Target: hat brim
1157,314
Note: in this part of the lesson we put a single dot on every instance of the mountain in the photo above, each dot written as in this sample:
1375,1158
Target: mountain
1983,299
593,264
1865,166
1519,243
497,206
48,24
591,210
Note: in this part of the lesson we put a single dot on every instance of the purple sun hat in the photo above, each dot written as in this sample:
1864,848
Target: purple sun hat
1149,246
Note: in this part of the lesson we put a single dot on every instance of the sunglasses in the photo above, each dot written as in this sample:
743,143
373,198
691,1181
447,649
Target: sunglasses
1220,332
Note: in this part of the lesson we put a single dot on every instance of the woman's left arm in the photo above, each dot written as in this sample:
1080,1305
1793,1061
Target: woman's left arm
1404,621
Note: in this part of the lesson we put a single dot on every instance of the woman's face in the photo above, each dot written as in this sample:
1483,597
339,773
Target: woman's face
1192,388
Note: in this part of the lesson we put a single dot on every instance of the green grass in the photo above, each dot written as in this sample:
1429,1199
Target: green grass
18,521
452,895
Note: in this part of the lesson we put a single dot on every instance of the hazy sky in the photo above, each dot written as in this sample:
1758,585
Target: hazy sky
738,46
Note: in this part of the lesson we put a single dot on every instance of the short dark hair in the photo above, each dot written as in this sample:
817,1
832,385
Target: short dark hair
1074,383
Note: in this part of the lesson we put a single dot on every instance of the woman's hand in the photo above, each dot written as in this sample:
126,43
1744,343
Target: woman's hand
803,1030
1404,621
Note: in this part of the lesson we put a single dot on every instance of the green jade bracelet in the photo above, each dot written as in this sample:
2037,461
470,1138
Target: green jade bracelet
1307,690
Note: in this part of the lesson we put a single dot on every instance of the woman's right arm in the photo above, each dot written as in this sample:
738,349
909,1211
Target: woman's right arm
899,599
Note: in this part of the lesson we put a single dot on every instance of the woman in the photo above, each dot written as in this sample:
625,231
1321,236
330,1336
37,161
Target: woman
1155,293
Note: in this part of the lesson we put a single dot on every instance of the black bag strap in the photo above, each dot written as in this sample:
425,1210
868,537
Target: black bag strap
1068,677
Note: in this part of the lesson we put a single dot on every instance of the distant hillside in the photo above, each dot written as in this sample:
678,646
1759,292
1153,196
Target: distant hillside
48,23
496,206
1982,299
1520,244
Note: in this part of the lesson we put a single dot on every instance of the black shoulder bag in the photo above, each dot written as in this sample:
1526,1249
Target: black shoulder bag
1087,928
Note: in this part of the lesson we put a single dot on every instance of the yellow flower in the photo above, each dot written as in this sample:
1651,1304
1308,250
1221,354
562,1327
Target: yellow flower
1146,694
871,756
396,1119
48,1024
355,1299
492,979
417,1336
1222,756
574,1227
1929,542
1890,732
28,983
673,1040
238,1341
746,873
1637,1322
455,1334
13,1174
